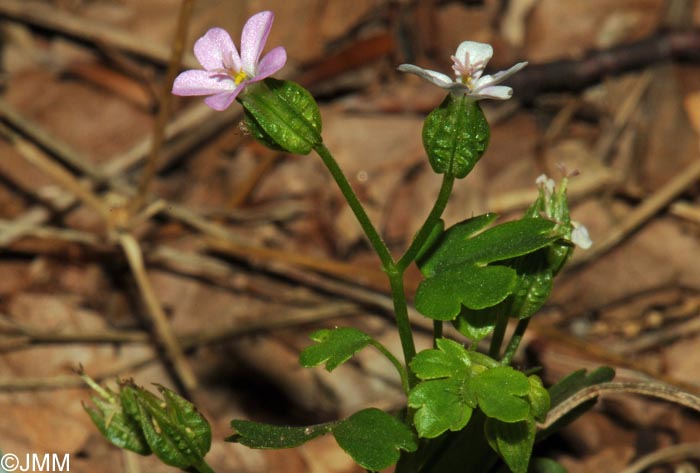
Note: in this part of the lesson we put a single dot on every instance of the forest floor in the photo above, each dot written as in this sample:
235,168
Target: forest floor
238,253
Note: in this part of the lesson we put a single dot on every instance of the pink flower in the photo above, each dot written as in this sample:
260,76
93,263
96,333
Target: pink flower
225,73
469,63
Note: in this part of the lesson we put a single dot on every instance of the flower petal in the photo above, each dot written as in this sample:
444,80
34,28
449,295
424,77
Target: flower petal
253,38
474,54
271,63
198,82
215,50
499,77
221,102
497,92
437,78
580,237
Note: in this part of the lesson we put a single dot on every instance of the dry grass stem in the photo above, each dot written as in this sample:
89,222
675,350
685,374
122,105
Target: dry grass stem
178,49
52,18
659,391
156,315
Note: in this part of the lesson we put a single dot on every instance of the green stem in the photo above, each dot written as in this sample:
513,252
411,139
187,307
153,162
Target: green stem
395,275
437,331
394,361
202,467
515,340
429,224
403,323
372,235
498,334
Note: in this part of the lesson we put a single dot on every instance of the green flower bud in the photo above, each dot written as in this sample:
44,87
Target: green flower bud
112,420
455,136
282,115
173,428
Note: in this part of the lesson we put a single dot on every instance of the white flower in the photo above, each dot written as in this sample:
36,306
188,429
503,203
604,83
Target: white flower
580,237
554,204
546,183
469,63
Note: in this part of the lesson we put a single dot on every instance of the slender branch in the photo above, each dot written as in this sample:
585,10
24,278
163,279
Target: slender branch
574,74
164,107
429,224
163,332
437,331
370,231
498,335
515,340
38,158
394,361
403,323
673,453
660,391
81,27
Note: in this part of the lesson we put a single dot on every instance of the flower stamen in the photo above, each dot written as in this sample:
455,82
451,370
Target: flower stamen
238,77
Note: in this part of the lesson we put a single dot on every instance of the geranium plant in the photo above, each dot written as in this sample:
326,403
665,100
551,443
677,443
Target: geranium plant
465,410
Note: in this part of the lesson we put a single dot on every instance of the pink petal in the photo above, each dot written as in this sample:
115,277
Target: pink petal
437,78
271,63
198,82
253,38
221,102
215,50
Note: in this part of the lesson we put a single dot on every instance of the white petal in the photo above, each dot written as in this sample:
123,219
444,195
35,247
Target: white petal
479,53
499,77
496,92
546,183
437,78
580,237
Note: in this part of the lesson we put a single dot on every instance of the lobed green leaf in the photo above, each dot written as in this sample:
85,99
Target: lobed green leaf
441,405
457,267
449,359
374,438
334,347
500,392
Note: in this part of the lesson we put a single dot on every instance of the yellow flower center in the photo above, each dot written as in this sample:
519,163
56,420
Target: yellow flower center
238,77
467,80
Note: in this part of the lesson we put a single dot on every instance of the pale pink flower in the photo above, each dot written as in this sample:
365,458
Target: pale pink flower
226,73
469,63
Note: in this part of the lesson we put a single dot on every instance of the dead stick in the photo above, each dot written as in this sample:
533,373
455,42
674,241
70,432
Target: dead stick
641,214
242,192
161,327
178,49
673,453
38,158
46,140
660,391
51,18
291,318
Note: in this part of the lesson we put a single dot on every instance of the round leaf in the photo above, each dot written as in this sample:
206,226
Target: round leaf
374,438
500,392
